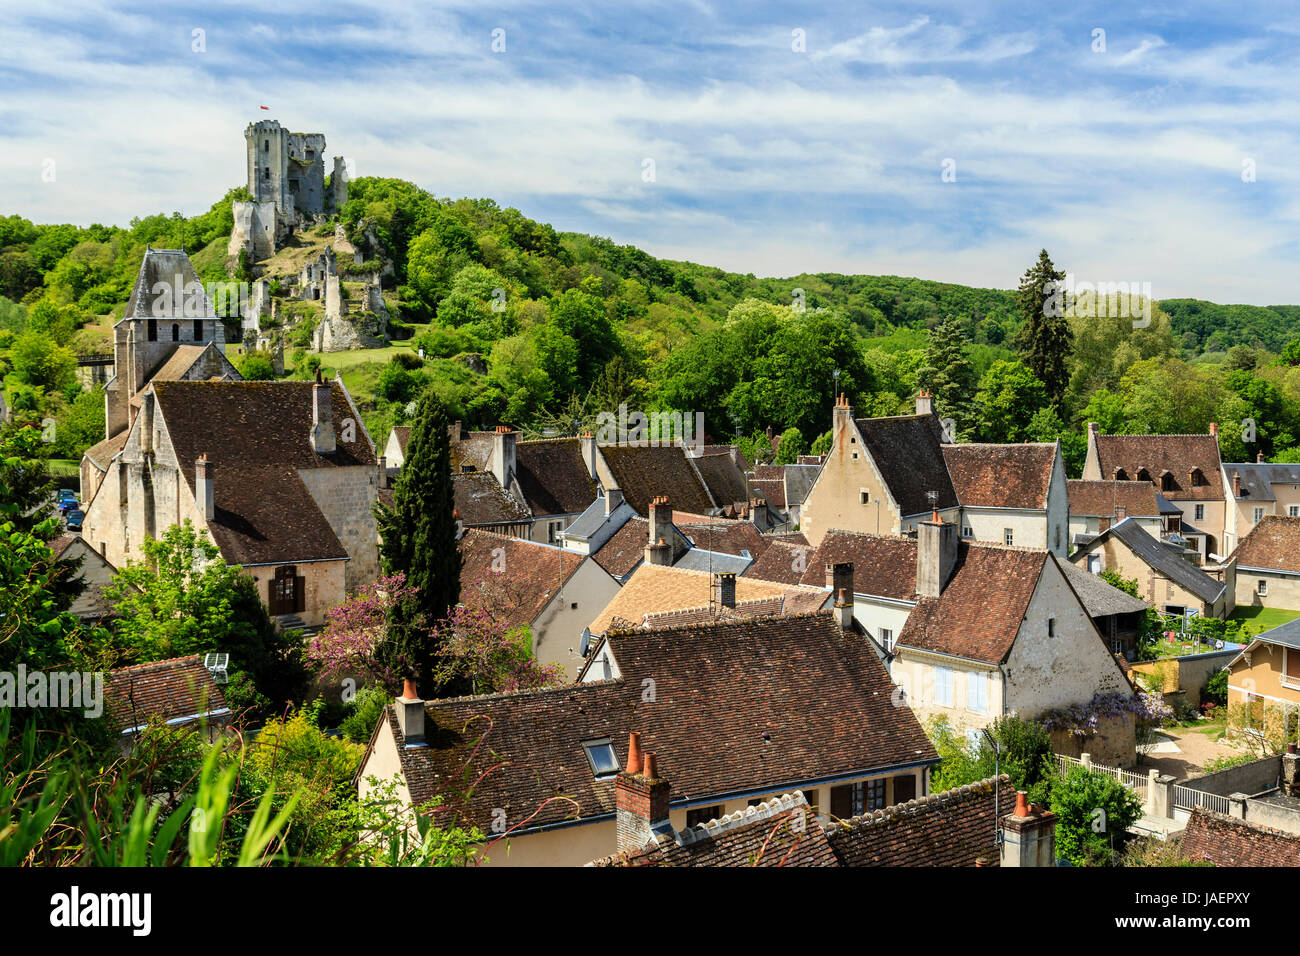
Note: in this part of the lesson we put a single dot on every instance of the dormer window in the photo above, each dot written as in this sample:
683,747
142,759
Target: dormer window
1167,481
1197,478
1121,474
601,757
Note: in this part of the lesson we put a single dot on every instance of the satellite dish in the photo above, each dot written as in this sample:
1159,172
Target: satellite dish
216,665
585,644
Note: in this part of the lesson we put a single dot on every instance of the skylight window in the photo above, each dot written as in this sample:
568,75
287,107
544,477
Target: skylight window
600,754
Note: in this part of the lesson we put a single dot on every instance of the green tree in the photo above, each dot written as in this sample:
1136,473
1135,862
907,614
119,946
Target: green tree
948,374
182,598
1008,398
1093,814
791,447
1045,341
419,538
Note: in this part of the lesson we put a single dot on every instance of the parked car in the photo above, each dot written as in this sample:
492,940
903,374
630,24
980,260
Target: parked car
66,495
68,504
74,520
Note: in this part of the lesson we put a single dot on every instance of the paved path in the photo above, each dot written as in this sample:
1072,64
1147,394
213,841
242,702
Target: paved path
1194,749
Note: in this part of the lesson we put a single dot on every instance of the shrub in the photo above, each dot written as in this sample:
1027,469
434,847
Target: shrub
1216,688
1093,813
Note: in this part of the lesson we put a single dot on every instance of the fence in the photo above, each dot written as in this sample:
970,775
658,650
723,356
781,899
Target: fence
1134,781
1185,798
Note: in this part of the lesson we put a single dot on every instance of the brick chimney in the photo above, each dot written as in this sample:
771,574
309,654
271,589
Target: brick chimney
839,577
410,714
1214,429
1290,784
613,499
1236,484
1028,835
758,512
453,431
322,419
726,581
924,403
641,804
503,455
1121,512
661,520
204,497
844,608
936,555
840,416
383,472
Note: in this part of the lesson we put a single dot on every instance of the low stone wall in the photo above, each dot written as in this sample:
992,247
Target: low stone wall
1273,814
1187,675
1113,744
1248,778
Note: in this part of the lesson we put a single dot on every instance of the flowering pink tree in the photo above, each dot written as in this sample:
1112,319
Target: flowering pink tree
353,637
493,655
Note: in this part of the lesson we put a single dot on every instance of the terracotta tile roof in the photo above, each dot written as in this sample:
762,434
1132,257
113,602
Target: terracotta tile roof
1225,841
781,831
625,548
101,454
1001,476
740,707
792,537
759,607
1177,454
1274,544
1102,498
725,481
644,473
480,500
167,690
257,437
784,561
772,490
534,573
553,477
979,613
769,472
907,452
654,589
474,451
953,828
741,462
883,566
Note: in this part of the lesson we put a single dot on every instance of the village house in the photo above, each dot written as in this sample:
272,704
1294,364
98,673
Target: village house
1166,579
978,824
1264,677
168,332
702,698
1266,564
1257,490
1186,469
482,504
1012,494
551,591
784,488
281,476
1096,505
96,574
177,692
882,476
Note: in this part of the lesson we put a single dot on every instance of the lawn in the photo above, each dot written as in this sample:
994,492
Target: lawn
1257,619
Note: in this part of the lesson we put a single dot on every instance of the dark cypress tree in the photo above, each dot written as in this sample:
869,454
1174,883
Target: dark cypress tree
949,375
1045,341
419,535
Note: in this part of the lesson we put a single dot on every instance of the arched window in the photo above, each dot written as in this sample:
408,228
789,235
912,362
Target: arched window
176,332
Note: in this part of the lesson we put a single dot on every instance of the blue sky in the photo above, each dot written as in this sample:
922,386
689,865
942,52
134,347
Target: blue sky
1125,163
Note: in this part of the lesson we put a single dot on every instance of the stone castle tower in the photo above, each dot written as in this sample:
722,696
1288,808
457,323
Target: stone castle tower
286,175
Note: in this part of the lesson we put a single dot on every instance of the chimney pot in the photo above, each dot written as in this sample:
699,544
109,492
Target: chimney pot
1214,428
1022,803
410,714
634,752
648,768
408,689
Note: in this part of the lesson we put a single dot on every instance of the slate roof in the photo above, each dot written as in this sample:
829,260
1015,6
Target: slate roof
784,561
740,707
257,436
1274,544
1163,558
1177,454
781,832
1001,476
908,454
799,481
534,573
1103,498
712,562
953,828
167,690
1225,841
979,612
1100,598
654,588
480,500
645,473
163,266
725,481
1258,478
553,477
882,565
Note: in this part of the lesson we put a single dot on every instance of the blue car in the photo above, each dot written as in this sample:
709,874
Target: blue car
74,520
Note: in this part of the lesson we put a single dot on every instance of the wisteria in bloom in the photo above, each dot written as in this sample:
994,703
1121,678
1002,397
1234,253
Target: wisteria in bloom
1082,720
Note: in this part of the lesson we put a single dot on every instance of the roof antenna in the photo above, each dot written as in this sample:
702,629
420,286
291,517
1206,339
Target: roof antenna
997,784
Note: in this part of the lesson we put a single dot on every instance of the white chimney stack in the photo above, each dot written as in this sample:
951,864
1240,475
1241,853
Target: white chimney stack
204,499
322,419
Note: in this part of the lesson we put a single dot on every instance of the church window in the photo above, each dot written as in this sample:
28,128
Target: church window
153,330
198,330
176,332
